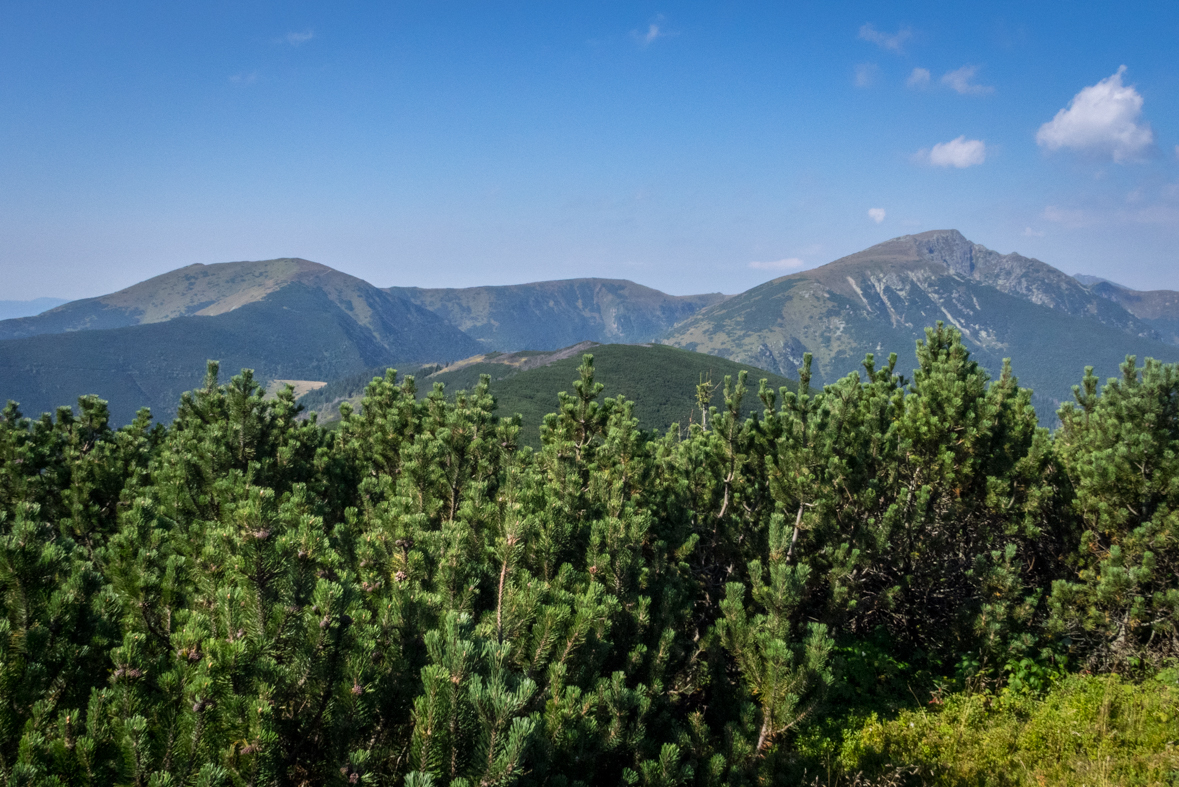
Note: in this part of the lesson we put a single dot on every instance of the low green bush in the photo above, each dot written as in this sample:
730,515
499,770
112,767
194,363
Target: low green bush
1085,730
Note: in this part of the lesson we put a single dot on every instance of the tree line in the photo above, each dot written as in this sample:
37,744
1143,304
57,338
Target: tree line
242,597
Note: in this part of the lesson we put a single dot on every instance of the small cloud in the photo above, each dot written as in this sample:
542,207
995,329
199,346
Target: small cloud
1102,118
919,79
244,78
789,263
295,39
960,81
960,153
1177,151
893,43
1028,232
876,214
654,32
866,74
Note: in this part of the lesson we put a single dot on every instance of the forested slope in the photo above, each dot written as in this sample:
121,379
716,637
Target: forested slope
661,381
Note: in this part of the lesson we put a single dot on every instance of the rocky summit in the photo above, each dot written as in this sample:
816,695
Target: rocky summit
882,299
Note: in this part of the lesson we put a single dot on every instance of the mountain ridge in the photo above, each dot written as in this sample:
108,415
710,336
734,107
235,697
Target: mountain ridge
1025,277
548,315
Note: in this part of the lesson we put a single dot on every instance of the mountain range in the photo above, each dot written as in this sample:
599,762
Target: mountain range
295,319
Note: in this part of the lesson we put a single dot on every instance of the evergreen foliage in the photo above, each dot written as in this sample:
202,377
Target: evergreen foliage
660,380
245,598
1122,450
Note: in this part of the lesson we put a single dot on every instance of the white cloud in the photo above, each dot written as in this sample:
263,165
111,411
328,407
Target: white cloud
654,32
866,74
876,214
244,78
1177,151
1102,118
919,78
789,263
960,80
1028,232
893,43
960,153
294,39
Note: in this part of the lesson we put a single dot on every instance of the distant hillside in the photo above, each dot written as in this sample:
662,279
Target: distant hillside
661,380
1157,308
315,328
881,299
1089,281
12,309
552,314
206,291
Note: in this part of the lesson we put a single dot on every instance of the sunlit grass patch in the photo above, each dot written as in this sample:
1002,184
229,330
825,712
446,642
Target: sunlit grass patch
1086,730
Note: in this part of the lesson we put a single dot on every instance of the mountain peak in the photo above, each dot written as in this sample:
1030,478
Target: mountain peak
197,290
949,247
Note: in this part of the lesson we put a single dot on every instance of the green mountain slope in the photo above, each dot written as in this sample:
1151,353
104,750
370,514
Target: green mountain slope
881,299
297,331
552,314
660,380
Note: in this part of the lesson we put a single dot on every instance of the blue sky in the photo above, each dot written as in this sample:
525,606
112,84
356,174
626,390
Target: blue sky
688,146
